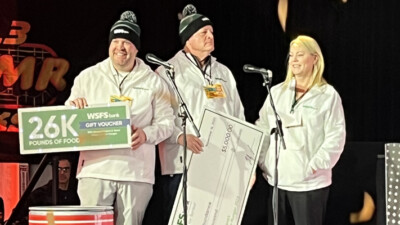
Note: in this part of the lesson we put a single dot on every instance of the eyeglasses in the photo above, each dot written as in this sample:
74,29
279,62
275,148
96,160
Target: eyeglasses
64,169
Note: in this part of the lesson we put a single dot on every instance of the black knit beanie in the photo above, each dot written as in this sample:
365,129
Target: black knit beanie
191,22
126,27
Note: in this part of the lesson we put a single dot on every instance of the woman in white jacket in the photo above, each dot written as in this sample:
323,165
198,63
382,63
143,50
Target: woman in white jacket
313,125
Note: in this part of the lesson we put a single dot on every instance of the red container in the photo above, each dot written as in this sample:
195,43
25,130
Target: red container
71,215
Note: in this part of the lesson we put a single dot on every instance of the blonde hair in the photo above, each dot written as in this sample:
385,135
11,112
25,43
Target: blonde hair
313,48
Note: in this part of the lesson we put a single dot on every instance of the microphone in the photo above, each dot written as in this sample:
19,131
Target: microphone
252,69
155,60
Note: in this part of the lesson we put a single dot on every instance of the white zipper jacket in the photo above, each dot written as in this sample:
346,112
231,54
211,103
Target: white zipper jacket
150,110
314,133
190,82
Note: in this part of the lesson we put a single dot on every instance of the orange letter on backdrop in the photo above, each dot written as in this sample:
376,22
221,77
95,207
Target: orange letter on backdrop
53,70
10,74
18,32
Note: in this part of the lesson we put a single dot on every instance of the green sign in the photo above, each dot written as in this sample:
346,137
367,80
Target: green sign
62,128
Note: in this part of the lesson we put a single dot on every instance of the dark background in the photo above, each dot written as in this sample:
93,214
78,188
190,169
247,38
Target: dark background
358,39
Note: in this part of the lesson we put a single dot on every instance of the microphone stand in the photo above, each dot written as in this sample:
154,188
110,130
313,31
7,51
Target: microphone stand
278,132
184,114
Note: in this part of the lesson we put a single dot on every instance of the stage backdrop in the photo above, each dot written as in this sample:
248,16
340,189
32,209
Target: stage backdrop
358,39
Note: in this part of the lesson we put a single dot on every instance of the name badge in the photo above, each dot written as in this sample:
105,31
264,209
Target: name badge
215,91
116,98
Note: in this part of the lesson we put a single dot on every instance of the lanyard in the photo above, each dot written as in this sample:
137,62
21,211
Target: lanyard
295,101
193,59
120,84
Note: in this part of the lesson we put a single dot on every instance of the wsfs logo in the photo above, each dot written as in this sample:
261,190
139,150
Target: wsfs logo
30,74
181,218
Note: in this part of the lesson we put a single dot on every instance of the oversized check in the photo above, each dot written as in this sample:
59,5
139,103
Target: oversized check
63,128
218,180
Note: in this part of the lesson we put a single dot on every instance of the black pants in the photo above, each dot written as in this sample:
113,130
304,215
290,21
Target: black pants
170,185
299,208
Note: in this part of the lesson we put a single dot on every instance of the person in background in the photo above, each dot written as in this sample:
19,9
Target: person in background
123,178
203,82
43,195
314,131
66,191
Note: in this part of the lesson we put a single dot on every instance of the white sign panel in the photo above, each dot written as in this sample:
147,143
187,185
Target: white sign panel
219,178
61,128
